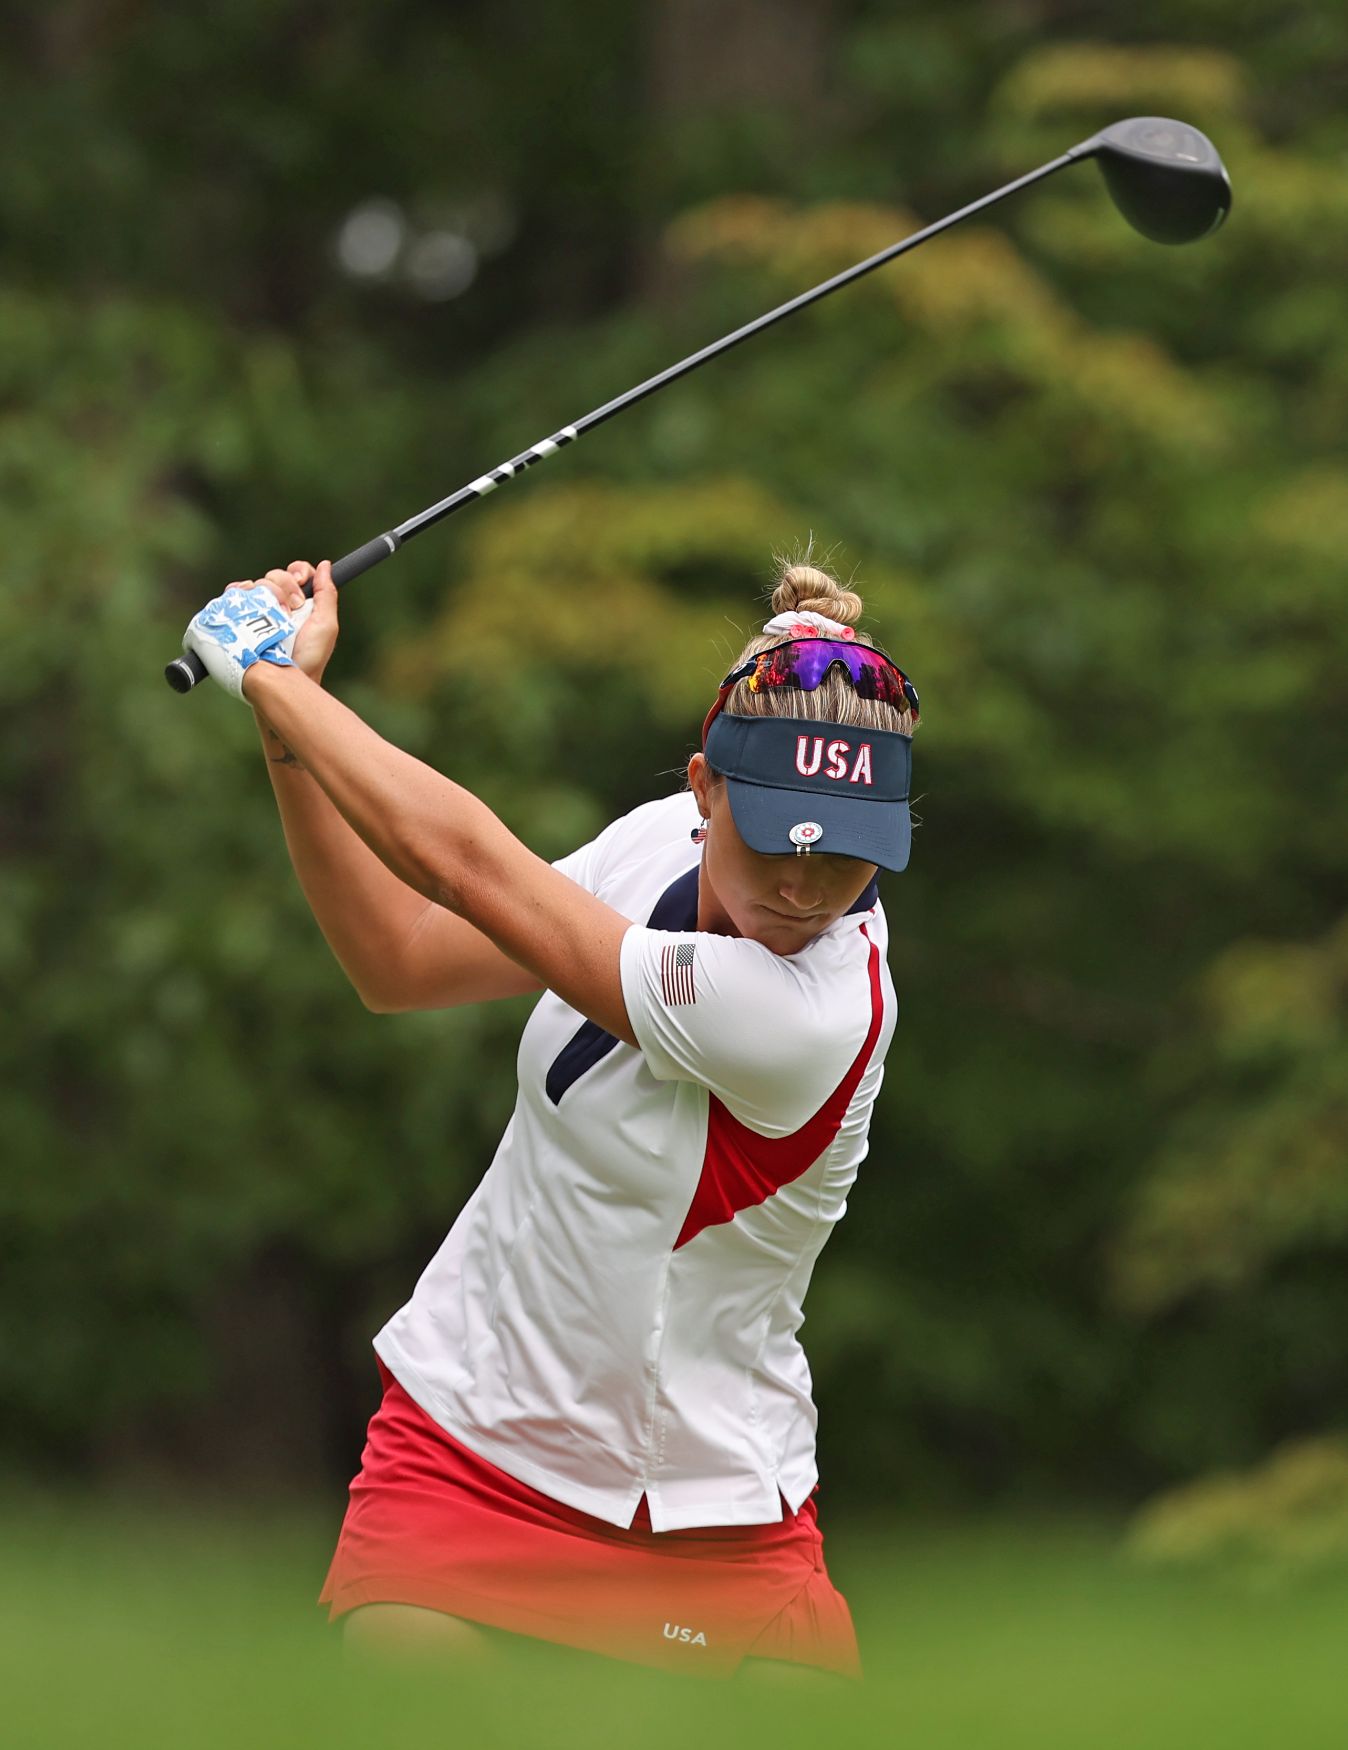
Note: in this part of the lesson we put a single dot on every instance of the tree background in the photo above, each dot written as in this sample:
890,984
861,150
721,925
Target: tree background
272,284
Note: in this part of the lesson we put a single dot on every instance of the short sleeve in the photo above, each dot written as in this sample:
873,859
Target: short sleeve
584,866
589,866
768,1036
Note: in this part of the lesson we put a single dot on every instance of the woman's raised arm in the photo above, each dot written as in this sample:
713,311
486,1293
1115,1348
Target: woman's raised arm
446,845
399,949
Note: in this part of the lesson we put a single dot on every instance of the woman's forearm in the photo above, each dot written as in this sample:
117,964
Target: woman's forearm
422,829
369,918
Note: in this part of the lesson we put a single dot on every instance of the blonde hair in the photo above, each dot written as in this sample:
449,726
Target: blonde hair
805,588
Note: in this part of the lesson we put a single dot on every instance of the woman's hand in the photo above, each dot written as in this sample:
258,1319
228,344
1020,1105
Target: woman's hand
280,626
318,635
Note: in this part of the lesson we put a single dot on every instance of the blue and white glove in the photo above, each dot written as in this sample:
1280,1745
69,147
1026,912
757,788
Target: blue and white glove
241,627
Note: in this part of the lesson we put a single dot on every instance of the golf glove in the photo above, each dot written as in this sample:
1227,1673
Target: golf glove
239,628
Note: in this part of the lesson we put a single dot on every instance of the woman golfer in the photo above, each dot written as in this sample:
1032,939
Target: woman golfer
597,1426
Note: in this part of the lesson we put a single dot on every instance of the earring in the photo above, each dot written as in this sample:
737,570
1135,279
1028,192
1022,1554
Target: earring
698,833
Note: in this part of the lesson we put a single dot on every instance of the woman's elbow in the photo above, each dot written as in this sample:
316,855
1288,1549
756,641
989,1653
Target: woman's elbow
384,999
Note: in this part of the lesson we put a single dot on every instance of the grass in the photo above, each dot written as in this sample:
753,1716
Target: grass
144,1629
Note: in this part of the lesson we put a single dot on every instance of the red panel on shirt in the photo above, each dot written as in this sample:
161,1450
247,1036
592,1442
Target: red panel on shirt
740,1168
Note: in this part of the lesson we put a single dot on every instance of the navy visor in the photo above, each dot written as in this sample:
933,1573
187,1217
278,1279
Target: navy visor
796,784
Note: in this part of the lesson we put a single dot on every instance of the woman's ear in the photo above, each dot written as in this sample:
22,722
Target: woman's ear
699,782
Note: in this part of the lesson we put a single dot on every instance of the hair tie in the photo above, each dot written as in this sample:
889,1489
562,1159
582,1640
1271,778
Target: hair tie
805,623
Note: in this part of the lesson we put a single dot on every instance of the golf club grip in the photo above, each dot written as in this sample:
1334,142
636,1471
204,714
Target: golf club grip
185,671
363,558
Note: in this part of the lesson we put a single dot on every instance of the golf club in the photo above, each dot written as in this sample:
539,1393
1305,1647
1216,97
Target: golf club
1164,177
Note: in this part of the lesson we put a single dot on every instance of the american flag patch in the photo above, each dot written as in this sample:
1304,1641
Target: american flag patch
676,973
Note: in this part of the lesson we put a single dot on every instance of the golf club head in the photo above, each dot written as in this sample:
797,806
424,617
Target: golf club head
1164,176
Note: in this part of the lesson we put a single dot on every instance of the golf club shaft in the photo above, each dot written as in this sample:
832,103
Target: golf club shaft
184,673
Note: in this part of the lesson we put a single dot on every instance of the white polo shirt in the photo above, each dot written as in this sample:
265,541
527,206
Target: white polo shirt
615,1311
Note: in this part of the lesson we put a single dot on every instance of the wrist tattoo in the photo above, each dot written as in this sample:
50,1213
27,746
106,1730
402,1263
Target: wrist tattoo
279,754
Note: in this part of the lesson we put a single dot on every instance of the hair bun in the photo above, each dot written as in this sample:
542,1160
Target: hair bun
806,589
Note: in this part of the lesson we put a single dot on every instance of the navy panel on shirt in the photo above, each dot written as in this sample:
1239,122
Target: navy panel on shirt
676,909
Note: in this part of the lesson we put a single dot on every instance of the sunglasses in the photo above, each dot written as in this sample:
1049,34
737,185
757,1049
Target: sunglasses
802,663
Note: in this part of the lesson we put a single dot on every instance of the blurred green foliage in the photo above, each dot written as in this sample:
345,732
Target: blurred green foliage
1283,1520
1094,495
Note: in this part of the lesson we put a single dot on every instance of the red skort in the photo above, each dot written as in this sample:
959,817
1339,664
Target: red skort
432,1524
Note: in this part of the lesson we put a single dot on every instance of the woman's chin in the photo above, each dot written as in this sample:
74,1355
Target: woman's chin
784,935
